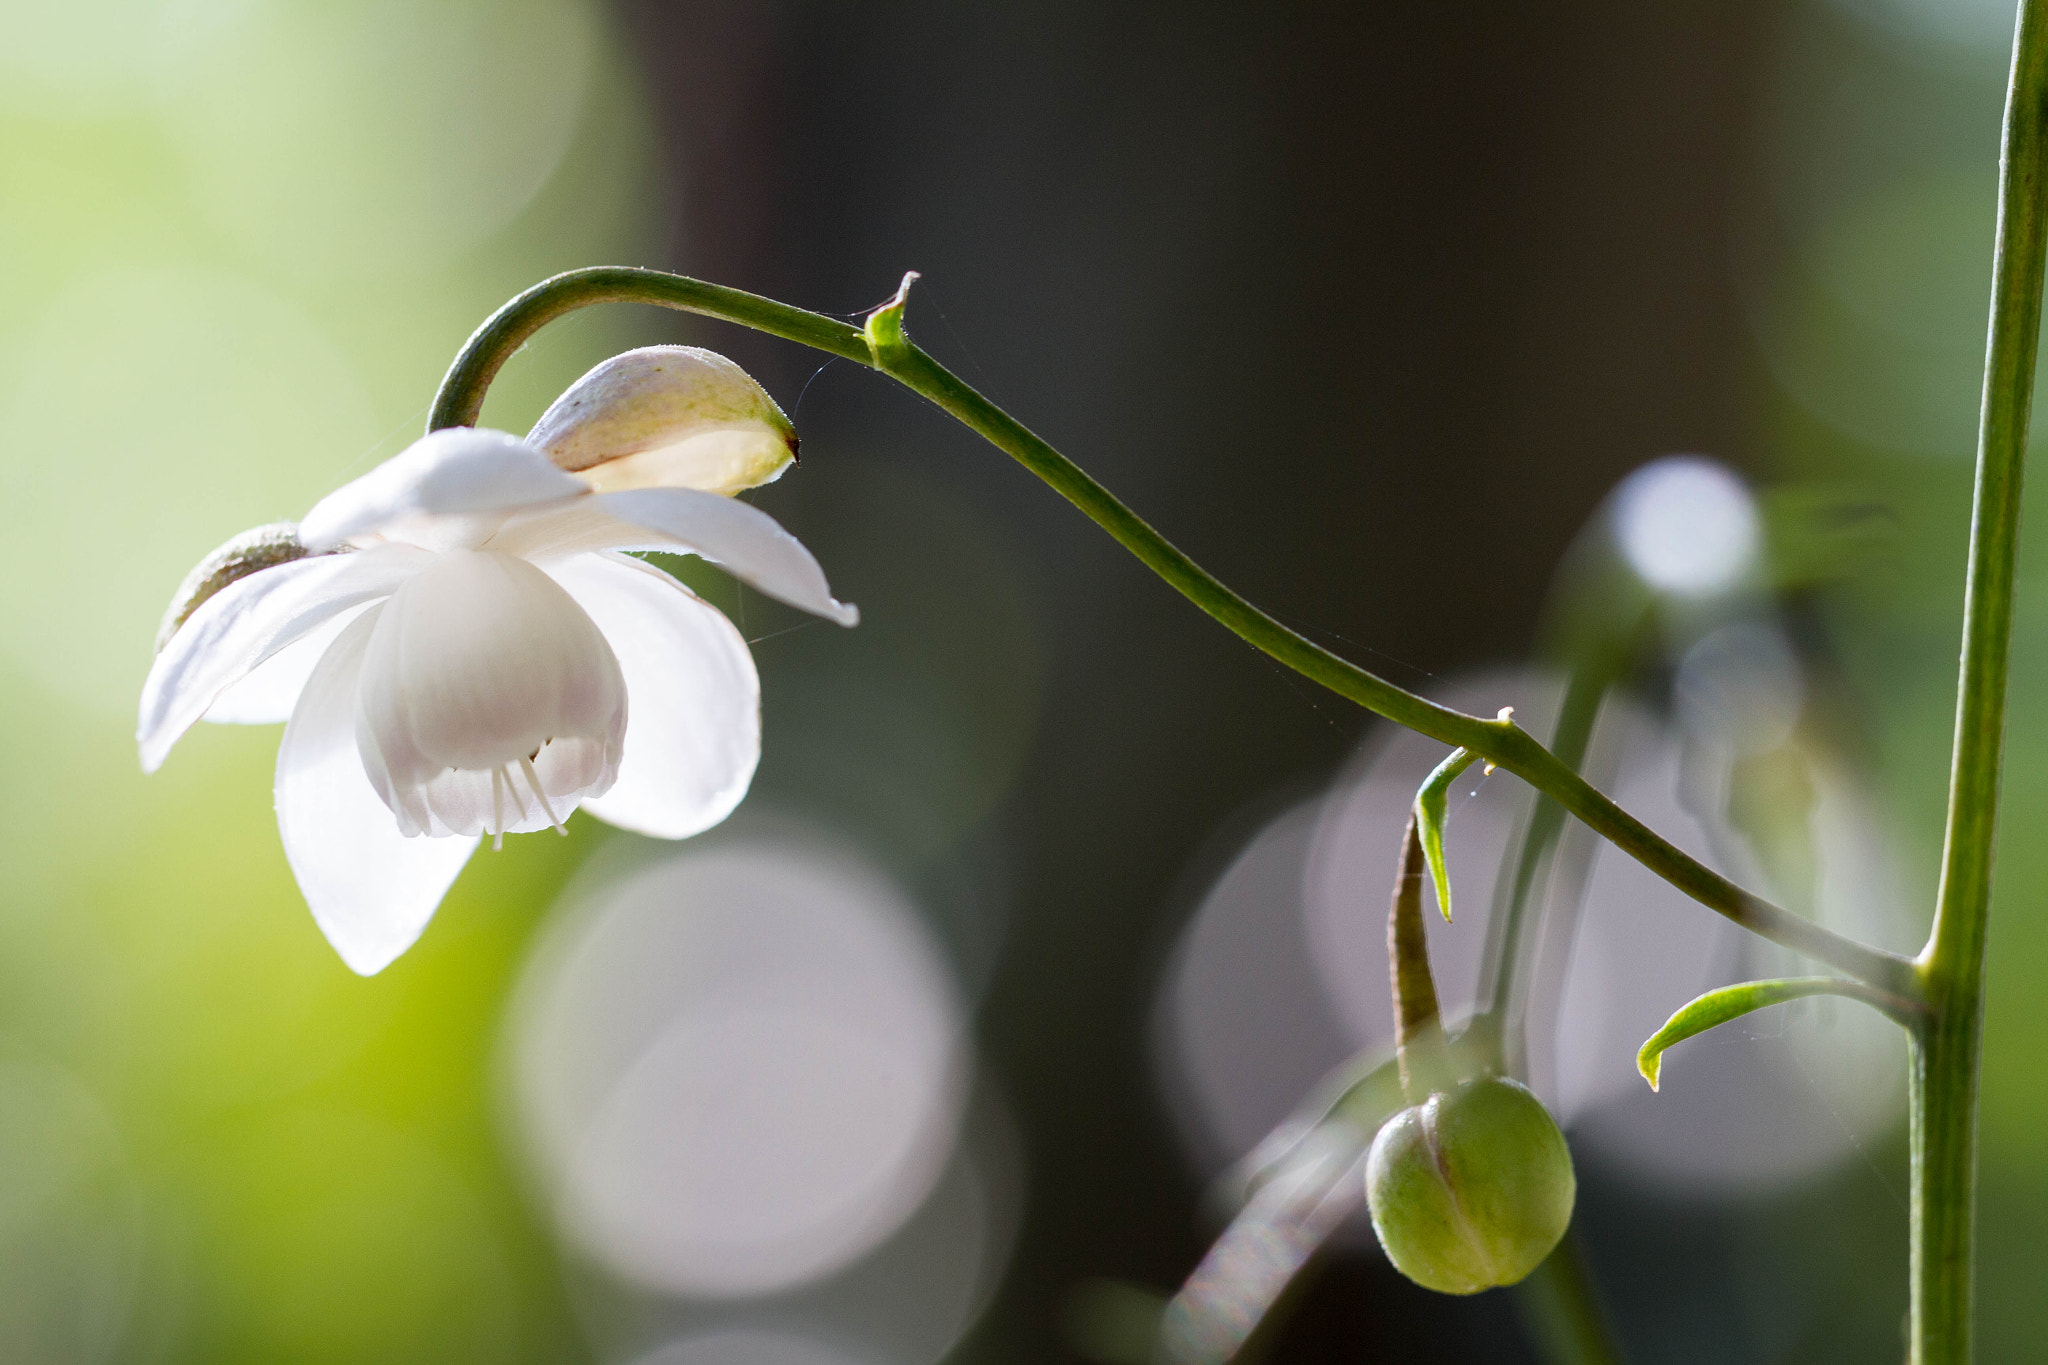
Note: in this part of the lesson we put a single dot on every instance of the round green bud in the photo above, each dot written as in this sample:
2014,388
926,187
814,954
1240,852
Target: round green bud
1471,1188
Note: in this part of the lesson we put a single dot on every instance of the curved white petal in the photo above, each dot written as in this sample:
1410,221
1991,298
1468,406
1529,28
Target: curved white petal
371,889
482,664
693,728
267,693
741,538
448,488
248,621
667,417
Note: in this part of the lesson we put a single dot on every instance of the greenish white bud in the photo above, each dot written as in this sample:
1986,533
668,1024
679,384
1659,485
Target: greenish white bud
1472,1188
667,417
252,551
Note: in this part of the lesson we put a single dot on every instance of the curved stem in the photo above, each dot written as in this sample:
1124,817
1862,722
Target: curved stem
884,347
461,396
1501,742
1945,1053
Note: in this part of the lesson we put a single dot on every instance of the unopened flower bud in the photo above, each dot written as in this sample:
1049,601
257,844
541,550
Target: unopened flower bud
667,417
1471,1188
250,552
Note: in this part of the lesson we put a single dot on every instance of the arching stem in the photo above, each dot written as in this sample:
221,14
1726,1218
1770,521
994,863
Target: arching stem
884,346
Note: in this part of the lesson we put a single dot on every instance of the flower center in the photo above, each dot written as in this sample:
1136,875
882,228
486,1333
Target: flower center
489,703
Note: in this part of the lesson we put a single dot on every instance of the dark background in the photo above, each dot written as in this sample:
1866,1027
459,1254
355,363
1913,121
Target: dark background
1365,306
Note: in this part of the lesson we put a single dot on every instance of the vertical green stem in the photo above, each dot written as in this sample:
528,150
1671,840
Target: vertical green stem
1945,1052
1944,1141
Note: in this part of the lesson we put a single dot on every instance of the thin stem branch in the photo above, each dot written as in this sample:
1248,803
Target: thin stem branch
884,347
1945,1054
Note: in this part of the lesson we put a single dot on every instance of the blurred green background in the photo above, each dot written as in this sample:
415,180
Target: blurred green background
1320,289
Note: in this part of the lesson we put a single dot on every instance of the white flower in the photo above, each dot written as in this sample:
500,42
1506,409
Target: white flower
461,649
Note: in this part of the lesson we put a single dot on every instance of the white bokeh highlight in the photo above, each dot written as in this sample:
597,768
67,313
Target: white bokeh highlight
1281,972
747,1346
741,1068
1686,525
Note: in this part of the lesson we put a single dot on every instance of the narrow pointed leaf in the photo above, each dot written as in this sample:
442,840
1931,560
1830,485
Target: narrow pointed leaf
1732,1002
1430,804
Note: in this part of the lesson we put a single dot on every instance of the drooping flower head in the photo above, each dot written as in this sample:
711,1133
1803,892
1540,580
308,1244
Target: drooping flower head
460,646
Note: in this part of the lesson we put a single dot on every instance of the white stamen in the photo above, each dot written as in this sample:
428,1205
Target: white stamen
533,778
497,809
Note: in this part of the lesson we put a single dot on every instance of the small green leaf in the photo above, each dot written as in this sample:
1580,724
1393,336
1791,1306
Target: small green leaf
884,329
1430,803
1732,1002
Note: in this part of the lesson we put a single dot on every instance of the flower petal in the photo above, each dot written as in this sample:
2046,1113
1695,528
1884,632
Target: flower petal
268,692
693,727
478,664
469,474
667,417
371,889
248,621
741,538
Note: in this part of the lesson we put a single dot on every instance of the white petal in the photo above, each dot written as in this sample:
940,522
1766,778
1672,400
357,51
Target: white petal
693,729
439,490
503,800
269,691
248,621
371,889
478,663
744,540
667,417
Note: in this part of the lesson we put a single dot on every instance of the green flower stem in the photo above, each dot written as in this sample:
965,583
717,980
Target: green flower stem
884,347
461,397
1500,741
1951,966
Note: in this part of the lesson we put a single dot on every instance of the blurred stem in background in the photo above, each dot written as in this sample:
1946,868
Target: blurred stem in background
1939,992
1559,1302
